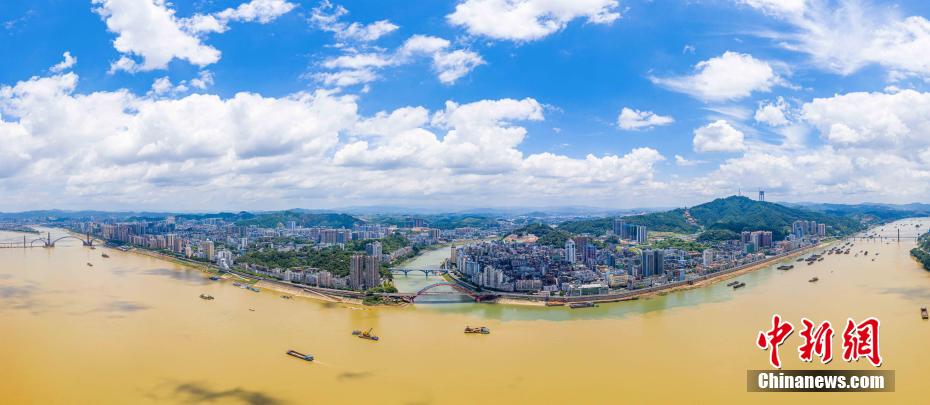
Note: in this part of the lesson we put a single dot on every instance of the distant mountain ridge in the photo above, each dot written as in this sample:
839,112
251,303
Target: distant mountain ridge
301,218
732,213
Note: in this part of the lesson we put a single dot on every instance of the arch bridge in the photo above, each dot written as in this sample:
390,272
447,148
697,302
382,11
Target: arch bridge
47,241
426,272
458,290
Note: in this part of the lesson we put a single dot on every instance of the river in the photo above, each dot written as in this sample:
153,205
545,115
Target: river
131,329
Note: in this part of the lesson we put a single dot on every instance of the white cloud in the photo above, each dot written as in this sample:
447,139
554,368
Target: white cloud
359,68
528,20
844,36
777,7
773,114
874,148
203,80
149,29
422,44
118,149
345,78
718,136
327,17
630,119
453,65
730,76
370,32
263,11
681,161
164,87
885,120
65,64
358,61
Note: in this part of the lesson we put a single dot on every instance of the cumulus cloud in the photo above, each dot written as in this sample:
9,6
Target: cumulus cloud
164,87
65,64
773,113
117,149
718,136
844,36
327,17
630,119
361,61
681,161
355,68
730,76
873,147
149,29
899,120
528,20
261,11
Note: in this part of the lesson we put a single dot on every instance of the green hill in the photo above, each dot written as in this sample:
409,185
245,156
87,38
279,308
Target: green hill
735,214
548,235
667,221
743,214
272,219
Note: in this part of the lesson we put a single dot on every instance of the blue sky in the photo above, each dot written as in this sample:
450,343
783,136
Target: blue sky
811,100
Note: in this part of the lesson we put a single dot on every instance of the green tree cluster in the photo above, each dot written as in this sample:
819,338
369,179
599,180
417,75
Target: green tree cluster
547,235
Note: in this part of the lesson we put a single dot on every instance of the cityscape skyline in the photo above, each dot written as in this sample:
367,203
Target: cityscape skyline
565,104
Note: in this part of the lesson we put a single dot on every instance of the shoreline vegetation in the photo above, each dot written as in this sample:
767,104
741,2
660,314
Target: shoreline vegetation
18,228
921,252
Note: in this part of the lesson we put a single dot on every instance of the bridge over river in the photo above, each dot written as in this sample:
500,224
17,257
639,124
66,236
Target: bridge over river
435,289
426,272
46,242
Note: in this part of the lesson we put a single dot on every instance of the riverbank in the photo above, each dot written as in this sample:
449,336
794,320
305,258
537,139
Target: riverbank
713,279
504,299
656,291
277,286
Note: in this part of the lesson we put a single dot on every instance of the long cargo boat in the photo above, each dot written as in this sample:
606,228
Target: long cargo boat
299,355
586,304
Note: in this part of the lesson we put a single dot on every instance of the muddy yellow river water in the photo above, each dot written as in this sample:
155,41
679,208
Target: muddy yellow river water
131,329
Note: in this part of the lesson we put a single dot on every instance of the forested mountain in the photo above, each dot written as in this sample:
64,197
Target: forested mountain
272,219
732,213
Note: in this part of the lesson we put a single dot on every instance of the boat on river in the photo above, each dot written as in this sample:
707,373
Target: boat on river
104,255
206,297
365,335
481,329
215,278
586,304
89,264
923,312
786,267
299,355
739,285
732,283
813,280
